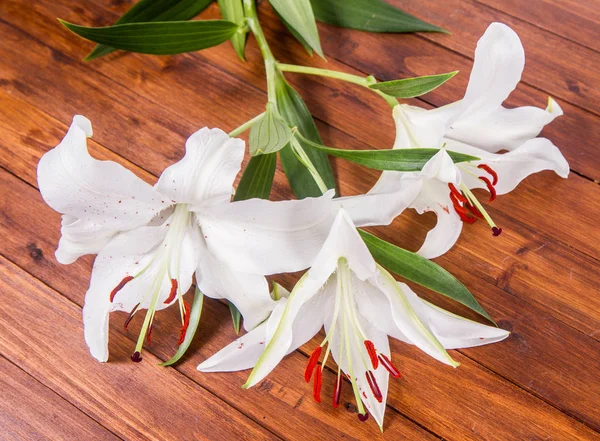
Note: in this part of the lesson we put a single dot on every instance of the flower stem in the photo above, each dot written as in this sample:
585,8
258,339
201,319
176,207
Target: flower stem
265,50
241,129
355,79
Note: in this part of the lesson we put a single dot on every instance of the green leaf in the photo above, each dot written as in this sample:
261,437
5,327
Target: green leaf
270,133
298,37
257,179
233,11
298,14
405,160
422,271
293,110
195,312
413,87
369,15
159,38
236,316
154,10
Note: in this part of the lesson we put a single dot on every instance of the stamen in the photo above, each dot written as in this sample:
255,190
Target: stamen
173,292
473,209
491,171
372,353
337,392
363,417
496,231
317,384
136,357
490,187
186,323
119,287
389,366
133,311
149,334
312,362
457,194
374,386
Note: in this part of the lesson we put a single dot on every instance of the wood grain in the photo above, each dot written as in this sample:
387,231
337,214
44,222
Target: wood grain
539,279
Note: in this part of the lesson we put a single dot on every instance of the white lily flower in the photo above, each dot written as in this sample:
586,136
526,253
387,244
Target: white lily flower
359,303
151,240
477,125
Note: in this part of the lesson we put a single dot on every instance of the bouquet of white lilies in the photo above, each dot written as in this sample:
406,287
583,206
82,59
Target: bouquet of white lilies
193,228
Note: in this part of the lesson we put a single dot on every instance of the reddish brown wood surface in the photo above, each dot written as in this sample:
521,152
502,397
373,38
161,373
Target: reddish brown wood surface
540,279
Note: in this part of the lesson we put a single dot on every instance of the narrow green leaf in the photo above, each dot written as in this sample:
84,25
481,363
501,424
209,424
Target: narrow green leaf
159,38
270,133
405,160
369,15
195,312
413,87
298,37
233,11
154,10
422,271
257,179
298,14
236,316
293,110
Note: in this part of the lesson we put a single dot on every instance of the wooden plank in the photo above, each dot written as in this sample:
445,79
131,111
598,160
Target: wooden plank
572,19
531,329
554,64
442,383
135,400
31,411
34,253
347,114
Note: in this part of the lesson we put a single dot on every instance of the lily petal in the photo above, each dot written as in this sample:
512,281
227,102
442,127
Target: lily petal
99,192
503,129
205,175
408,321
80,237
533,156
434,196
499,62
454,331
390,196
420,128
248,292
300,320
343,241
243,233
354,353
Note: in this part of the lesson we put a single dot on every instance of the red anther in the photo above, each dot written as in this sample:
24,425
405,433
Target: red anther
186,323
473,209
173,292
457,194
496,231
374,386
149,334
136,357
363,417
337,391
312,362
389,366
119,287
126,324
463,213
372,353
490,187
317,384
491,171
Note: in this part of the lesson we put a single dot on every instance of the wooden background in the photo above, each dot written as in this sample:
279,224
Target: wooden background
539,279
